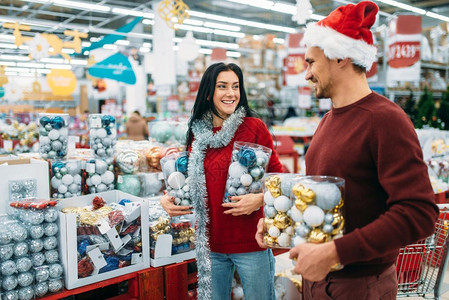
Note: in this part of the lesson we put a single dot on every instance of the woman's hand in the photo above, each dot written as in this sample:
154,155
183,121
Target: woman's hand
168,203
260,233
243,205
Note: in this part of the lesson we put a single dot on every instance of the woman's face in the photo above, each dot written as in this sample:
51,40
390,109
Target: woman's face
226,94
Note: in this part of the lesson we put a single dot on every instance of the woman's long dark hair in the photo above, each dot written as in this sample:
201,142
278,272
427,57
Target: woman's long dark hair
206,92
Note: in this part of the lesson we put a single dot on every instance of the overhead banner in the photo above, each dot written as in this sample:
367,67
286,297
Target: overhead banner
61,82
404,43
295,62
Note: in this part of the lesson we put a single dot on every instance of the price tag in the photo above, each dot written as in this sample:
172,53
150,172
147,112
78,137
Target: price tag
125,241
136,258
95,123
120,179
102,247
114,239
103,226
97,258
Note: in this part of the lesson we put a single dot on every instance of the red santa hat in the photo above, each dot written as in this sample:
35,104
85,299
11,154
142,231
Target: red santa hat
345,33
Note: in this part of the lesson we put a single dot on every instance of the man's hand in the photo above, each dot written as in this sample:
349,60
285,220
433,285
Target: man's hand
173,210
260,233
314,261
244,205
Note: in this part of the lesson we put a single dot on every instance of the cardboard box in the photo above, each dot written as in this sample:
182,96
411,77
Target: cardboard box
68,239
162,252
23,169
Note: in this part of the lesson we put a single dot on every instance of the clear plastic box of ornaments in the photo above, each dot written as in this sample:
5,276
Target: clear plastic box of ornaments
248,166
33,246
168,132
102,135
103,236
183,233
66,178
53,135
314,212
98,176
127,162
174,168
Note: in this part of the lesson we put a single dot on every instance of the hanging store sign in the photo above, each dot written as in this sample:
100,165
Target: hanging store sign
116,67
61,82
404,44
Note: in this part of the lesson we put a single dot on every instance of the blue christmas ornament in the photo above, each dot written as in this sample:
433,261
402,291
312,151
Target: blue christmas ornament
247,157
112,264
82,247
181,164
44,121
105,120
57,122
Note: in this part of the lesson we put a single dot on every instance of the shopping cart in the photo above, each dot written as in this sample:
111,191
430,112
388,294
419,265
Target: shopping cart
420,267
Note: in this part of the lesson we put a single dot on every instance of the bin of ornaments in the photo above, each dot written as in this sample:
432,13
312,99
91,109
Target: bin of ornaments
278,209
108,235
152,184
53,135
161,131
127,166
158,225
34,246
248,165
102,135
174,168
65,179
99,176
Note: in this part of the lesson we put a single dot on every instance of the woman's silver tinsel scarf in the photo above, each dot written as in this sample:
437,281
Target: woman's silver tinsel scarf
204,138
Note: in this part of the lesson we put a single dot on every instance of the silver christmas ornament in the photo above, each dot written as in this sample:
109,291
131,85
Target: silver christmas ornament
51,256
11,295
36,231
20,249
38,259
55,270
40,289
18,232
42,273
36,245
55,285
6,251
50,229
50,215
24,264
25,279
50,243
8,268
26,293
9,283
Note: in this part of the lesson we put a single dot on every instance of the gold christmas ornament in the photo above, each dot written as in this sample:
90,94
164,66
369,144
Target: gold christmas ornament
317,236
300,205
303,193
273,184
282,221
173,12
269,241
268,222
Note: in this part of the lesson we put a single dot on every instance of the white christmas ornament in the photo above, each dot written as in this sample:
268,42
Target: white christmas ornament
327,195
274,231
282,203
176,180
268,198
283,239
313,216
246,179
296,215
236,170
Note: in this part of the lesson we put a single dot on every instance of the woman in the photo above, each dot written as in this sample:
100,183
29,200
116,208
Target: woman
220,117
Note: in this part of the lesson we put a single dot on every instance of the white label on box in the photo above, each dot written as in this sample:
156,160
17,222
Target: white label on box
126,239
7,145
124,252
114,238
102,247
103,226
95,123
136,258
120,179
90,168
137,232
132,215
97,258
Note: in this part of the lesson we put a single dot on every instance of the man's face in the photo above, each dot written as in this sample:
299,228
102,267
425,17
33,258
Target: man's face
319,72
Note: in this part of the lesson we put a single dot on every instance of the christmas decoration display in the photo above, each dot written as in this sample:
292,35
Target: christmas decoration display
99,176
248,166
152,184
65,179
13,131
174,168
183,235
108,235
102,134
28,250
313,213
53,135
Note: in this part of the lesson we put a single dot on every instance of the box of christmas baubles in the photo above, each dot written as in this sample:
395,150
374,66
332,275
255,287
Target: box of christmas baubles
302,209
103,235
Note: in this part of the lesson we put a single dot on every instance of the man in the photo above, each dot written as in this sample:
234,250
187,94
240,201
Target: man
369,141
